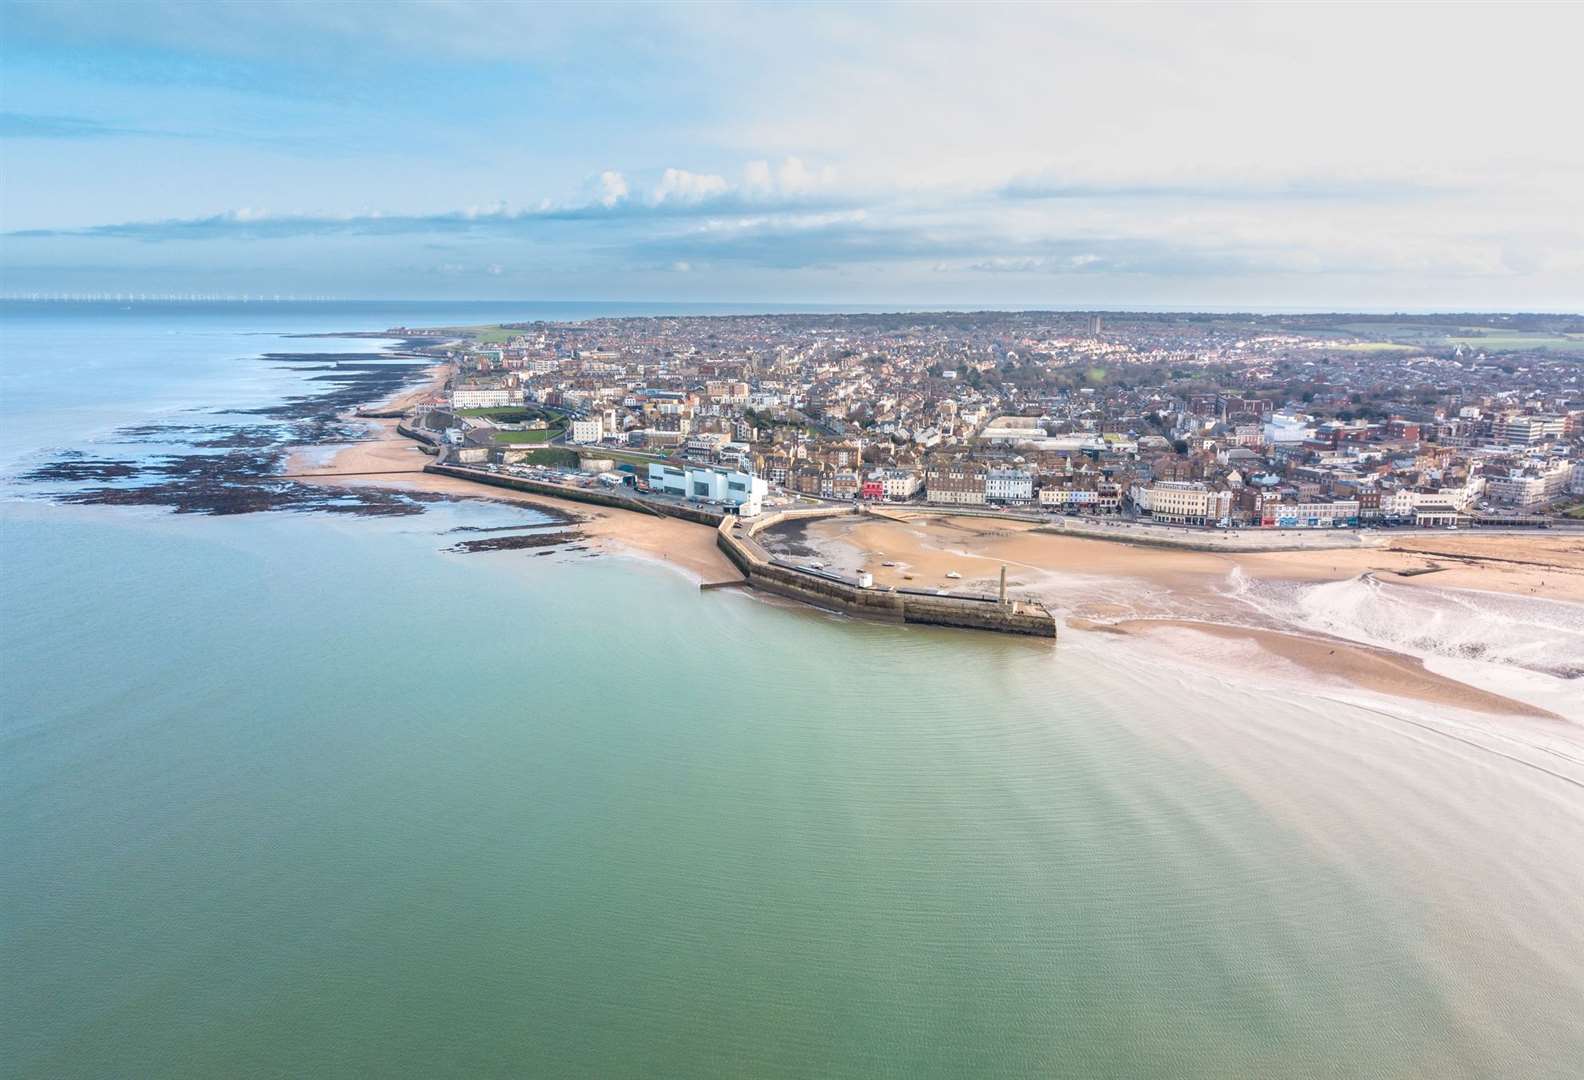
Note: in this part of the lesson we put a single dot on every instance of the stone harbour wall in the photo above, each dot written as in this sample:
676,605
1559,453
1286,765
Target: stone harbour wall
736,540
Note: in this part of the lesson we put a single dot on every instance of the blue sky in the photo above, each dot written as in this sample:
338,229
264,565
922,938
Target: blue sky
1242,156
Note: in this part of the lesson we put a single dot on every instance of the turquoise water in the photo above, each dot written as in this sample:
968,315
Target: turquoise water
295,795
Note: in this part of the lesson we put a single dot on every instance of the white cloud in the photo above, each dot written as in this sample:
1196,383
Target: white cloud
679,185
790,179
612,187
757,178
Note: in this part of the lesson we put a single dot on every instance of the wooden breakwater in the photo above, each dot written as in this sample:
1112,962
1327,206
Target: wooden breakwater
735,536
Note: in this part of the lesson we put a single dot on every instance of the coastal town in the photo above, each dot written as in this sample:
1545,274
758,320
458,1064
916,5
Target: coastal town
1205,423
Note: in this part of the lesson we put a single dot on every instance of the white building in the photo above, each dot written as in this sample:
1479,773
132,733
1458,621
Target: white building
1526,430
1180,502
1316,514
704,444
1062,498
1531,488
591,430
1009,485
899,483
708,483
484,398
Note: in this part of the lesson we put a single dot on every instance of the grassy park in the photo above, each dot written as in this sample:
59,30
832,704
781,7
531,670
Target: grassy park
530,437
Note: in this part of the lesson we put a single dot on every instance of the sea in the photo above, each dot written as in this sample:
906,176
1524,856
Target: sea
304,791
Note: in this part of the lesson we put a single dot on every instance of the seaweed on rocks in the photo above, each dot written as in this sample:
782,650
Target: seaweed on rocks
329,358
236,482
354,384
244,438
554,515
202,436
75,468
518,542
788,538
235,468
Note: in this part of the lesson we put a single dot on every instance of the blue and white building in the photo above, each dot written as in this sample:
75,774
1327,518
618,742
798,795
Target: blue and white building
709,483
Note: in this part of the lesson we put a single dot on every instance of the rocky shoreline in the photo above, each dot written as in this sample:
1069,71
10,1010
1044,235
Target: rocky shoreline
224,468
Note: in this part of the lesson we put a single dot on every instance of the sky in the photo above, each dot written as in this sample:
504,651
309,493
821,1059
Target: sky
1338,156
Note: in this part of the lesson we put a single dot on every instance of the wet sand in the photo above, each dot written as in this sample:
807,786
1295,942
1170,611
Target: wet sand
410,399
1345,662
929,546
1143,590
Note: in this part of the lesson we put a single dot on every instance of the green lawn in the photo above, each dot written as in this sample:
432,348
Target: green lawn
1378,347
483,335
540,435
494,335
1504,341
1380,336
640,463
510,413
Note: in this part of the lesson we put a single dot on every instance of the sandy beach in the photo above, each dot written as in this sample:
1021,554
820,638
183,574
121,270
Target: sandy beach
928,546
1143,590
389,460
435,380
1341,662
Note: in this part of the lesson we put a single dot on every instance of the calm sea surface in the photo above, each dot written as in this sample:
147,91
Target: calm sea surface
295,794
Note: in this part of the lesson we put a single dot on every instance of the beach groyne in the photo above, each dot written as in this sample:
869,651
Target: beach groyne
822,588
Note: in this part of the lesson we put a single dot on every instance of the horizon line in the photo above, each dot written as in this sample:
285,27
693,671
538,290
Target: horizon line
789,307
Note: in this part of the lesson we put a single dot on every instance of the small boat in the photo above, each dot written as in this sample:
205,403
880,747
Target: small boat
888,564
954,575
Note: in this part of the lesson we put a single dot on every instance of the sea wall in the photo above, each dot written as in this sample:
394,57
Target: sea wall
597,496
736,539
1199,538
419,434
1148,533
